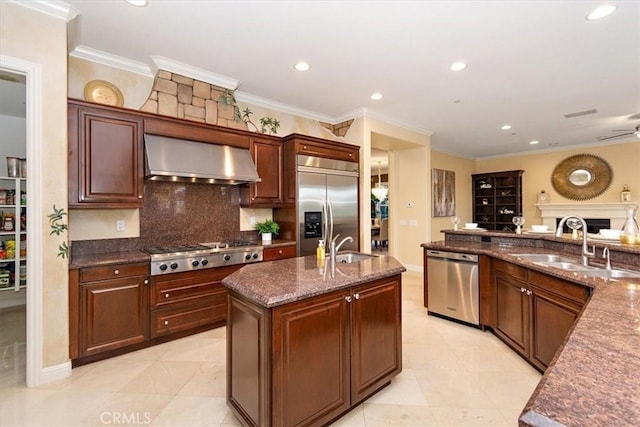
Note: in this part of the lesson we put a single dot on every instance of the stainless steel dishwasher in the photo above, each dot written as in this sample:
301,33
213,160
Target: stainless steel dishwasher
453,290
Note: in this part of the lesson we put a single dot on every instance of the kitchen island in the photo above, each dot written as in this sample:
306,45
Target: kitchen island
308,342
593,379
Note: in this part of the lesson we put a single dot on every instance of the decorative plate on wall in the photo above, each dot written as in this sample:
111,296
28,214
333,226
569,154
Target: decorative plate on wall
582,177
103,92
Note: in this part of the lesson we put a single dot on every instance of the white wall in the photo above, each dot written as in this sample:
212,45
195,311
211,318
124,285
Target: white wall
13,137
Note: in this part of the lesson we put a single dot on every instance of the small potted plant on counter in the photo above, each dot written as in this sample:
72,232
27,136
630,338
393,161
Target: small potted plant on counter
267,228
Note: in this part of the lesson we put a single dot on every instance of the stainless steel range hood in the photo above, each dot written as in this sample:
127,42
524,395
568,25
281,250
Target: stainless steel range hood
171,159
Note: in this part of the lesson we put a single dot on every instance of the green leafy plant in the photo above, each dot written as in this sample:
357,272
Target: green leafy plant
56,222
268,226
268,125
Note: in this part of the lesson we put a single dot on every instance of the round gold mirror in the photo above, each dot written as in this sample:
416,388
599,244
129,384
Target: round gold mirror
582,177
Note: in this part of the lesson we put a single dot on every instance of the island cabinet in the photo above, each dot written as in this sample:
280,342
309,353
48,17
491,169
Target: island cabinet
307,362
106,166
112,310
535,311
267,153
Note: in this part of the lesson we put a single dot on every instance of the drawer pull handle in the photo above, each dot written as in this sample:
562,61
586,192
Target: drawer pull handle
529,292
166,322
166,295
280,251
523,290
146,281
304,146
348,298
116,272
356,296
140,196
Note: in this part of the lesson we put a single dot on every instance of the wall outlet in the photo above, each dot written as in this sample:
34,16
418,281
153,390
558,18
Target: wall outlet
120,225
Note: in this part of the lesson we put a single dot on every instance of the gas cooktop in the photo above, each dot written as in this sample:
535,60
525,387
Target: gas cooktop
179,258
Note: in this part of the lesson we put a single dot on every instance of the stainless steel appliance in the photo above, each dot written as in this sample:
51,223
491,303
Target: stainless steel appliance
453,290
175,259
327,202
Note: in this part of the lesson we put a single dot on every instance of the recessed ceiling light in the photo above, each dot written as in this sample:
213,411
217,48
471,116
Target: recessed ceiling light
506,127
302,66
139,3
534,142
457,66
457,101
601,12
376,96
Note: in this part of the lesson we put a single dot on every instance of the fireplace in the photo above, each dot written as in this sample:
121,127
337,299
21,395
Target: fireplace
614,213
594,225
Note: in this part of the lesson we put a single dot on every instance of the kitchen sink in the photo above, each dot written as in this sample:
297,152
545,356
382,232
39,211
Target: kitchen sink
547,258
572,266
612,274
351,257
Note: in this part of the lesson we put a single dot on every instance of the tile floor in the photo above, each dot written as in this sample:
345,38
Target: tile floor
453,375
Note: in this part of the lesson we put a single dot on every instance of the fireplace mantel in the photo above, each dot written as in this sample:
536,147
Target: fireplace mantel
613,211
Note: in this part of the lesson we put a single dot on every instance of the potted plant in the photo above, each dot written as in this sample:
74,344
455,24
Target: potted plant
267,228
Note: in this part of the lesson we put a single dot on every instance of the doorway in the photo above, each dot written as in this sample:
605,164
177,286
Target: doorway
379,201
13,236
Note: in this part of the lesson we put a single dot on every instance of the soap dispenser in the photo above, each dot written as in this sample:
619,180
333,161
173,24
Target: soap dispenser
320,255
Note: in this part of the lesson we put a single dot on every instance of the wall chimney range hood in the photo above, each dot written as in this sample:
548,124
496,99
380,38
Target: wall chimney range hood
179,160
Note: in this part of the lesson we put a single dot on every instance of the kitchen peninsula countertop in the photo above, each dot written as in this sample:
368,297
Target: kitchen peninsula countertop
594,379
270,284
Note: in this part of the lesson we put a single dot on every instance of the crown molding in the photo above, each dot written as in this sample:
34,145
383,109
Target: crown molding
162,63
111,60
283,108
57,9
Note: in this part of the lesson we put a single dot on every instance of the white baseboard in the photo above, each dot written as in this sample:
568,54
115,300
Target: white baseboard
411,267
54,373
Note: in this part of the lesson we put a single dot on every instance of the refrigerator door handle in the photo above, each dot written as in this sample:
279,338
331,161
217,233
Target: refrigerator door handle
325,226
330,222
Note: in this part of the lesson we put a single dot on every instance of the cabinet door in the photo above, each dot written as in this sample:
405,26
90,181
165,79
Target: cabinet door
376,336
552,317
267,154
512,306
114,314
311,361
106,147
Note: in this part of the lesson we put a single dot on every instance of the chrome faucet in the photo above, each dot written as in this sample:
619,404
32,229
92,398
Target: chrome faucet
586,254
605,254
335,248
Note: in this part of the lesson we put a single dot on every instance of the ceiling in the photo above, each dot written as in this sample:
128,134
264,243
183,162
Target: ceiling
529,62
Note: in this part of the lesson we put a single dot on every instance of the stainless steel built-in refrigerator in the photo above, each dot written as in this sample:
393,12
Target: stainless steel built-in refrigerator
327,202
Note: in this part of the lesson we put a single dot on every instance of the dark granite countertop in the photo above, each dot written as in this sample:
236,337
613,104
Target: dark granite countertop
270,284
95,260
595,377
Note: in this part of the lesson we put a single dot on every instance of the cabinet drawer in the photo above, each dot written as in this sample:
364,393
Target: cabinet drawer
560,287
175,319
510,269
163,294
282,252
113,271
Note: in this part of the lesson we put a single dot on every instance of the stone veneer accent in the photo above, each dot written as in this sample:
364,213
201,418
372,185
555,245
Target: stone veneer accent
339,129
182,97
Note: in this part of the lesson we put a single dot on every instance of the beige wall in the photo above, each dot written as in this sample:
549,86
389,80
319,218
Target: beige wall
39,38
624,159
463,169
409,194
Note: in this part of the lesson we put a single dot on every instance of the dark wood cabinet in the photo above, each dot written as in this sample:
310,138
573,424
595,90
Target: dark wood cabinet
497,198
184,301
113,307
279,252
106,166
308,362
535,311
267,153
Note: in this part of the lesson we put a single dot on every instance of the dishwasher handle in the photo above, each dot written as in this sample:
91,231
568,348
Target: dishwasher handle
452,256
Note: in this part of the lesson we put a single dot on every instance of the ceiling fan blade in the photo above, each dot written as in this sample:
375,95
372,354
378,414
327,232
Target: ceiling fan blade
604,138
